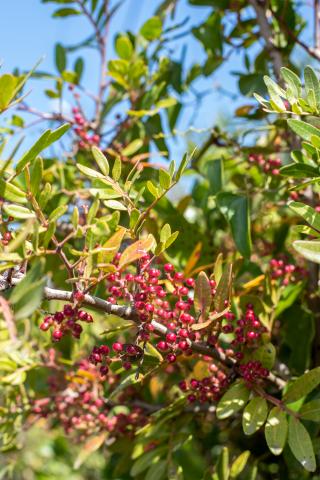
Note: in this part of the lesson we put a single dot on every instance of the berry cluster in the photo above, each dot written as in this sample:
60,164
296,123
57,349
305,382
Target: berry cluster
82,130
82,409
64,321
126,353
6,235
268,165
253,371
207,390
286,272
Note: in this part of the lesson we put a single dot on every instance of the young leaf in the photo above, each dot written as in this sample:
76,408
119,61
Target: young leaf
302,386
311,411
151,29
11,192
292,80
132,148
300,444
222,467
101,160
135,251
312,86
164,179
116,170
202,294
57,213
233,400
183,165
276,430
254,415
239,464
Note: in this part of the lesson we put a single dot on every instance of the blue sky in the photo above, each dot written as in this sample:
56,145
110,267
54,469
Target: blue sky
27,32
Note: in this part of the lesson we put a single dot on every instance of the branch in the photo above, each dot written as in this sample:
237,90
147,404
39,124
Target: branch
267,35
129,313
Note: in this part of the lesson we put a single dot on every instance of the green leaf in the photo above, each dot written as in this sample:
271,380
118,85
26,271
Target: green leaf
132,148
266,355
18,212
223,290
89,172
143,461
215,175
308,213
276,430
300,444
57,213
101,160
202,294
11,192
56,134
165,232
66,12
164,179
303,129
254,415
235,208
115,205
32,153
309,249
183,165
233,400
151,29
124,47
302,386
299,170
60,57
311,411
292,80
312,86
157,471
116,170
239,464
222,468
26,297
36,173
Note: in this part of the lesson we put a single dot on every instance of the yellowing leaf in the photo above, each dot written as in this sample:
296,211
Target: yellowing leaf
202,294
137,250
93,444
193,259
224,289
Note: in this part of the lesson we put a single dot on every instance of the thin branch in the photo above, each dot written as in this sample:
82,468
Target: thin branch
8,317
267,34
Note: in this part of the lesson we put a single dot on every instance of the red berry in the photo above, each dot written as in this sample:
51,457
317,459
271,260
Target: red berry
117,347
168,267
78,296
57,335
